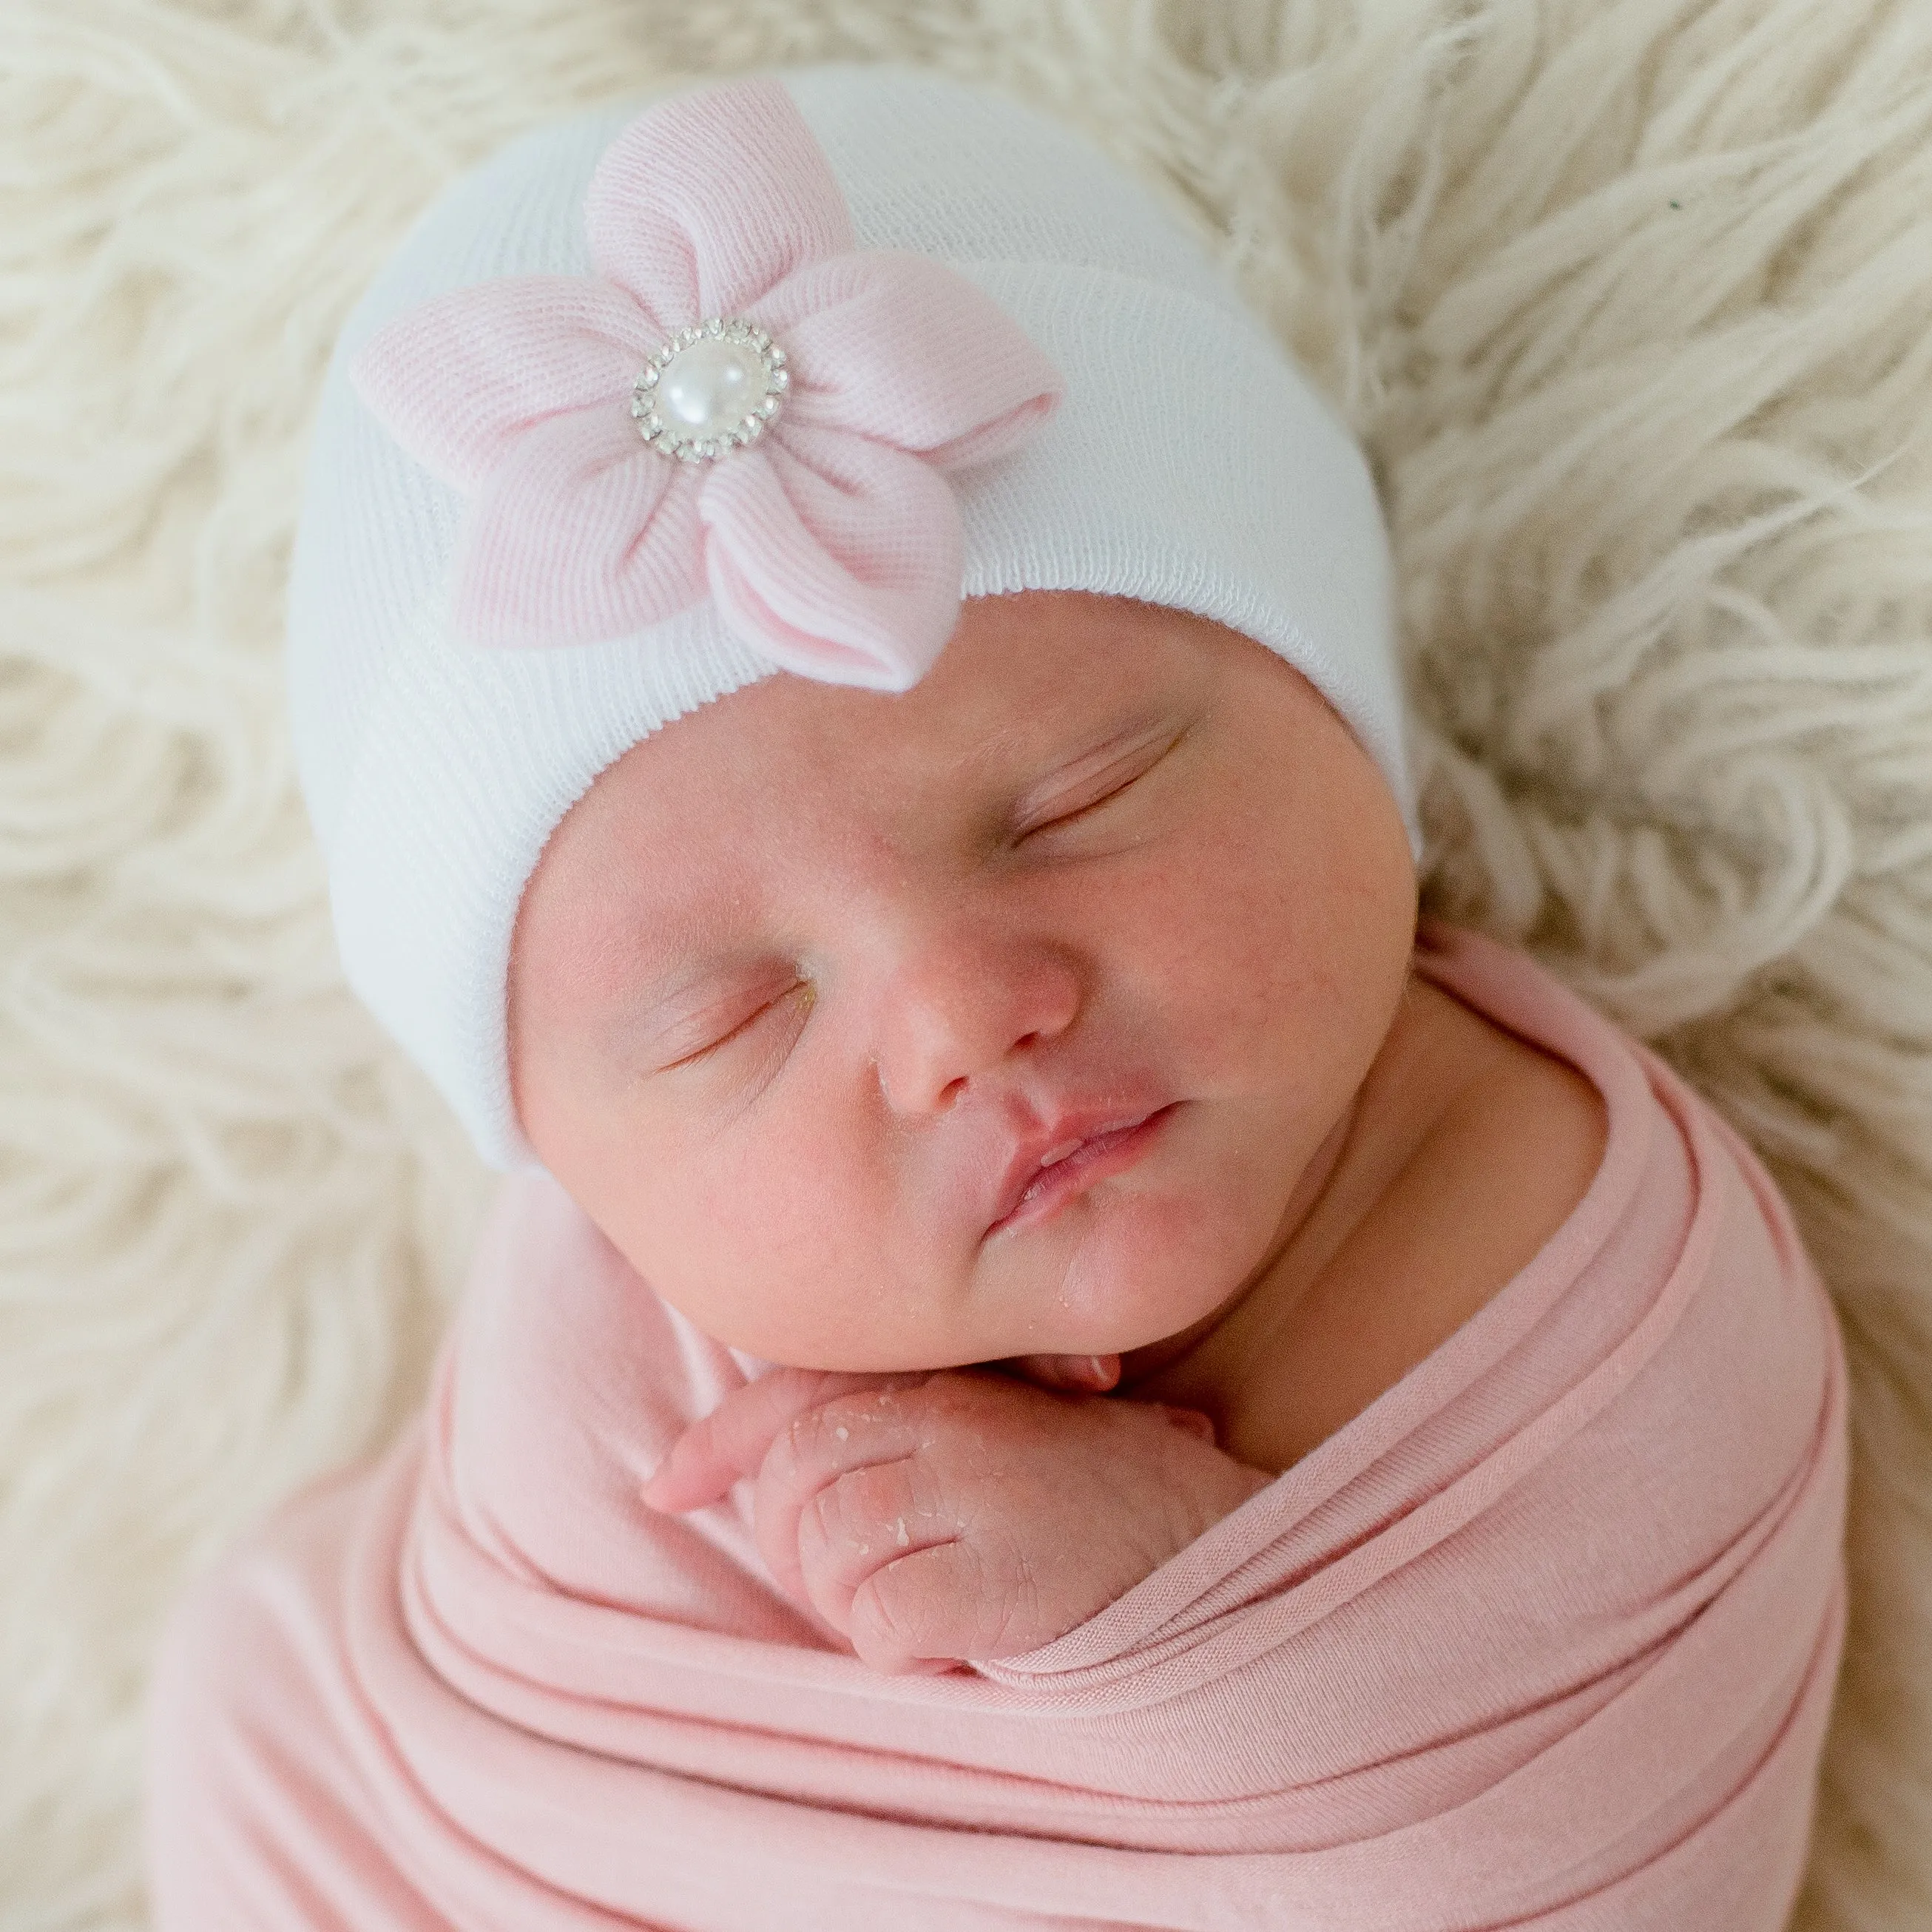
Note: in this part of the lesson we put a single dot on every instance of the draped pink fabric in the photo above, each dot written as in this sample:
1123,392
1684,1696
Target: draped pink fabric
1545,1637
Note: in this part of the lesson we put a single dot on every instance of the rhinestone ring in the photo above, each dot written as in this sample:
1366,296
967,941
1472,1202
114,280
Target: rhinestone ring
710,389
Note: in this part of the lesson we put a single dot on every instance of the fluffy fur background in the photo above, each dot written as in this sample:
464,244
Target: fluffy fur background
1631,299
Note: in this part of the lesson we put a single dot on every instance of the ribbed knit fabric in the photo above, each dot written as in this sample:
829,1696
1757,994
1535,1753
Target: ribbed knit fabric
732,314
1188,464
1544,1638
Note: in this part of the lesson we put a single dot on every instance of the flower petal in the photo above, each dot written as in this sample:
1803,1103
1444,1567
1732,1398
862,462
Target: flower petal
706,200
837,556
903,347
582,534
457,379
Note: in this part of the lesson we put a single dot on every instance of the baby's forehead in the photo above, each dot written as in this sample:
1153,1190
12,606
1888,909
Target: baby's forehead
1032,697
1024,679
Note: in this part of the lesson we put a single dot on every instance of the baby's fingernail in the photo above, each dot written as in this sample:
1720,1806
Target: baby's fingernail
1194,1420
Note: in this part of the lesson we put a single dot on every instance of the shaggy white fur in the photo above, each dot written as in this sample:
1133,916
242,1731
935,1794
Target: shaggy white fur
1631,301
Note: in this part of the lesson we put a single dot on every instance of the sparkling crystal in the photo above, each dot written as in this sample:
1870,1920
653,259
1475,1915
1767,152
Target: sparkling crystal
710,389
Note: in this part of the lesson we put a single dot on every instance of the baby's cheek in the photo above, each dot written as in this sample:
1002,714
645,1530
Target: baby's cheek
782,1262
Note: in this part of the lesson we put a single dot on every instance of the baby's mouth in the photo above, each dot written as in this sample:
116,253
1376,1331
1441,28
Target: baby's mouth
1039,1182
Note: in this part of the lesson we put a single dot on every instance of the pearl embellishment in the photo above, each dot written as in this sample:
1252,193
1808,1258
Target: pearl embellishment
711,389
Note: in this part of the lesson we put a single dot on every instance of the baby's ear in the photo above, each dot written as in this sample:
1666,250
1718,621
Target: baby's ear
1078,1374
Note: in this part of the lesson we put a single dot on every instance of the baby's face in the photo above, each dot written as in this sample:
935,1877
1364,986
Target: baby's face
809,985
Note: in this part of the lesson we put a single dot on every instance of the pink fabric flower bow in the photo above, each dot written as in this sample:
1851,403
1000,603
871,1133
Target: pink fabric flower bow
831,540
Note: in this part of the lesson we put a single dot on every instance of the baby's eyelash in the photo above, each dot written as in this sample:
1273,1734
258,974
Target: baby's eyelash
745,1025
1091,804
1137,765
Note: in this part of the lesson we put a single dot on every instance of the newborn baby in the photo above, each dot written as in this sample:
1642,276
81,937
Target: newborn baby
1048,1358
1081,1030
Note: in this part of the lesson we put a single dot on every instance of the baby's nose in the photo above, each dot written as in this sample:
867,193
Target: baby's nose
961,1005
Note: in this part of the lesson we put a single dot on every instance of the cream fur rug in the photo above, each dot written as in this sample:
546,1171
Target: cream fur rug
1632,301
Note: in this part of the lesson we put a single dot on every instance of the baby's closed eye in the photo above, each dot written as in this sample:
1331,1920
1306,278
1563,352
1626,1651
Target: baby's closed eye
1088,790
693,1036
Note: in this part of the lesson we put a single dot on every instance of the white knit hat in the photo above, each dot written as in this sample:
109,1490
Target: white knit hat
1187,463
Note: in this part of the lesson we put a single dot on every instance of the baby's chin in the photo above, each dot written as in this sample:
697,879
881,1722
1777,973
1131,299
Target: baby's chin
1120,1274
1123,1268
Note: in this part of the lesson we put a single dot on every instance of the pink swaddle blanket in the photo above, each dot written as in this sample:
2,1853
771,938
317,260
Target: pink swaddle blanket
1545,1637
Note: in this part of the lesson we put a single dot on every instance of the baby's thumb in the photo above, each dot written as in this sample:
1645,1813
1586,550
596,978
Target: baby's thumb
730,1442
717,1449
686,1478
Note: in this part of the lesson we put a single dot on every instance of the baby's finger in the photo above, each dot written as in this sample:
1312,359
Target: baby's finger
818,1447
921,1614
866,1519
1192,1420
1078,1375
730,1442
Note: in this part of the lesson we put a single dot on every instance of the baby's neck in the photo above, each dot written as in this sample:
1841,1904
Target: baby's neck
1143,1372
1139,1367
1225,1365
1378,1265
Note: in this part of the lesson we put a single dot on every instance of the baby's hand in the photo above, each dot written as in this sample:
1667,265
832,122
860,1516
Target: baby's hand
955,1515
